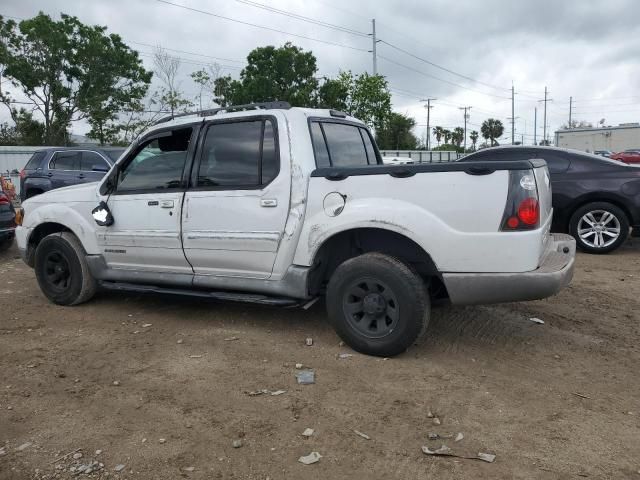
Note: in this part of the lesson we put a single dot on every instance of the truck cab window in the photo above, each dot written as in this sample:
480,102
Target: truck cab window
341,145
158,165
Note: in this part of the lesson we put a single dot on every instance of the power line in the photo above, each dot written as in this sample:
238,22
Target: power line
190,61
187,52
437,78
441,67
211,14
303,18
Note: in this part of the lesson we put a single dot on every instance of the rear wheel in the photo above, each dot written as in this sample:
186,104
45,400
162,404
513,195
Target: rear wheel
377,304
62,270
599,227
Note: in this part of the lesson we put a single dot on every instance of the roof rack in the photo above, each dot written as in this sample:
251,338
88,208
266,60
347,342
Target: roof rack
230,108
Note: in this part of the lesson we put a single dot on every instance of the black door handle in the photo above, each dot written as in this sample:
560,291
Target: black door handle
153,203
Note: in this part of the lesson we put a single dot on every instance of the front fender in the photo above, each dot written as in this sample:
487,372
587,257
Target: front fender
66,215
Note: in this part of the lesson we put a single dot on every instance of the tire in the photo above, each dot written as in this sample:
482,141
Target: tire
62,271
377,304
5,244
599,227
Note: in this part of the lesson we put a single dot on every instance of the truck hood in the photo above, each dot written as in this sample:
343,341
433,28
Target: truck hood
84,192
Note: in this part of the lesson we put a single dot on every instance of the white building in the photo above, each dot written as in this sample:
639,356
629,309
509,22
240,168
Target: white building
615,139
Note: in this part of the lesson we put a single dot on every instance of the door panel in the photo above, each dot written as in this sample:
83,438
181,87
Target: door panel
64,168
235,215
147,207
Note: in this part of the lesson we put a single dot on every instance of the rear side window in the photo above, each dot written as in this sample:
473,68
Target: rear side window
239,155
65,161
35,160
341,145
89,160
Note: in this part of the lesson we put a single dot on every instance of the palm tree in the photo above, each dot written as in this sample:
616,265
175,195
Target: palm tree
447,135
492,129
474,138
457,137
437,131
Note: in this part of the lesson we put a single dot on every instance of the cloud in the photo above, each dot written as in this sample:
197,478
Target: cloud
582,49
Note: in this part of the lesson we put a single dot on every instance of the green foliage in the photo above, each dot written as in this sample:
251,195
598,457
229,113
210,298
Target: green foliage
70,71
396,134
492,129
449,147
26,131
286,73
474,139
457,136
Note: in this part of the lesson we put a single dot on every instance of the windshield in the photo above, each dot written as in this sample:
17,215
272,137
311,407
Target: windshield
115,153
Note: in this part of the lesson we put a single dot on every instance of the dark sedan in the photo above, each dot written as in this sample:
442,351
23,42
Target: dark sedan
594,199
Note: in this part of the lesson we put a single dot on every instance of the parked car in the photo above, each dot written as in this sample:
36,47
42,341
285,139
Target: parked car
280,205
596,200
628,156
7,219
603,153
57,167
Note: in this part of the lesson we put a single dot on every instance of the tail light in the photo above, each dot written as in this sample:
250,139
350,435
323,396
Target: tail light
522,211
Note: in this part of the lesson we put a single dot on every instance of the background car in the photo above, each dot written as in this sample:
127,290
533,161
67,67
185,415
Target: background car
57,167
594,199
628,156
7,220
603,153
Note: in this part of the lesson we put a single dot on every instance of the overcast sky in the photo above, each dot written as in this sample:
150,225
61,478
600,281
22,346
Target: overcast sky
580,48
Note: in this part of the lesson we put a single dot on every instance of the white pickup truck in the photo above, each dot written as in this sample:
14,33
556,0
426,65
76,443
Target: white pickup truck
277,205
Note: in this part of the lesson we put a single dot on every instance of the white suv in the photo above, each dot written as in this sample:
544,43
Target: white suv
271,204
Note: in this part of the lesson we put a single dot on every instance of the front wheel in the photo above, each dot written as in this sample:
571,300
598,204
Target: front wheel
62,270
599,227
377,304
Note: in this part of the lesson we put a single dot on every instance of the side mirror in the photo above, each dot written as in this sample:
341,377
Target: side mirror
102,215
99,167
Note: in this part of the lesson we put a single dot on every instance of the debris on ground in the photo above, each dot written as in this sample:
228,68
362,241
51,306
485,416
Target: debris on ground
436,421
195,356
429,414
345,355
536,320
307,432
162,440
119,467
309,341
459,437
438,436
116,383
313,457
146,325
236,443
445,451
189,469
581,395
264,391
231,339
179,341
98,452
24,446
77,456
306,377
363,435
299,366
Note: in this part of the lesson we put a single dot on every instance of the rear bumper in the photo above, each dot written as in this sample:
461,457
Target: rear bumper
7,233
554,273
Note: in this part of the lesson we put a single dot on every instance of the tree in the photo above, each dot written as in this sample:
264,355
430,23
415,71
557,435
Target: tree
446,134
397,133
206,80
457,136
492,129
576,124
286,73
364,96
439,133
166,68
474,139
68,71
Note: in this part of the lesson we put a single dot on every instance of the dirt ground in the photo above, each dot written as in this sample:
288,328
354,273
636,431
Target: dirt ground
559,400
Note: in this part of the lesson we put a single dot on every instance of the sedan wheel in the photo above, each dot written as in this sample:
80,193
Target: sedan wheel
599,227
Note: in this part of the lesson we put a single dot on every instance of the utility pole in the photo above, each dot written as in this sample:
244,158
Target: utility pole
535,125
513,116
428,107
466,116
373,48
570,109
544,126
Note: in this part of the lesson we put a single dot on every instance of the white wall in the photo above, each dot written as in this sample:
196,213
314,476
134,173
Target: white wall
615,139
